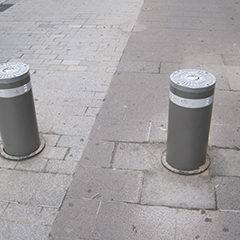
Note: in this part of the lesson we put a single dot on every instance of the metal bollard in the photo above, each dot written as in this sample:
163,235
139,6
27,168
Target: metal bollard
18,123
190,110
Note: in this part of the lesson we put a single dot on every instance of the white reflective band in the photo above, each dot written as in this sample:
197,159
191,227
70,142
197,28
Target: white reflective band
190,103
14,92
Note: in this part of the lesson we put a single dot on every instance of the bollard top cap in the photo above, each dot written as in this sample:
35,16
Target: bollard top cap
13,69
193,79
13,74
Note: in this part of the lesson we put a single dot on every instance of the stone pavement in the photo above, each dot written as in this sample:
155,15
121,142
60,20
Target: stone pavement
110,184
73,48
120,189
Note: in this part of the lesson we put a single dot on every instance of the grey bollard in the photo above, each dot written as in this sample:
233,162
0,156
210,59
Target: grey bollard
18,123
190,110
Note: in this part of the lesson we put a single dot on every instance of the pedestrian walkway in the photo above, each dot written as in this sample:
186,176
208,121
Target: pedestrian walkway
120,189
73,48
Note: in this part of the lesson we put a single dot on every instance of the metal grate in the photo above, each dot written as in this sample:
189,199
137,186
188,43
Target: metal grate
5,6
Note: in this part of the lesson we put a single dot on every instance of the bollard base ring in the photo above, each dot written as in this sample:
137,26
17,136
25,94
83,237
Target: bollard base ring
19,158
201,169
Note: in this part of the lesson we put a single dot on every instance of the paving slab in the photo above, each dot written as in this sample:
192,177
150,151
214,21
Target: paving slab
23,231
106,184
169,189
33,188
158,132
130,221
224,136
135,66
138,156
98,153
227,190
224,162
76,220
207,225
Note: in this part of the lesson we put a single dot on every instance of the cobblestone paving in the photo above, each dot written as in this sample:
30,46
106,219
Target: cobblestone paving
73,48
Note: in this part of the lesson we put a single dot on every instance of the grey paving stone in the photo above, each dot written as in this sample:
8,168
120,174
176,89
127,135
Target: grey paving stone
126,91
32,164
125,131
227,189
74,154
138,156
169,68
153,53
226,98
203,59
63,167
129,221
51,139
72,141
98,153
130,120
3,206
135,66
20,213
158,132
106,184
232,60
48,216
224,135
207,225
10,230
169,189
53,152
33,188
226,115
4,163
224,162
76,219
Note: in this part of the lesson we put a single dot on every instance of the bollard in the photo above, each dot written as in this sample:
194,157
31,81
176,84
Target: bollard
190,110
18,123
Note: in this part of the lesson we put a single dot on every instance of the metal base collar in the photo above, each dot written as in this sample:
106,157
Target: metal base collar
202,168
19,158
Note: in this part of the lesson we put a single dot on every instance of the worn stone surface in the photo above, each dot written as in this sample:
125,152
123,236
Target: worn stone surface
186,34
225,162
134,66
106,184
158,132
130,221
98,153
34,164
22,213
207,225
169,189
63,167
33,188
73,53
138,156
23,231
3,206
76,219
224,136
227,190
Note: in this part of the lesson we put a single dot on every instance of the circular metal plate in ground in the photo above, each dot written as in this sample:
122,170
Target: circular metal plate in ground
193,78
184,172
19,158
11,70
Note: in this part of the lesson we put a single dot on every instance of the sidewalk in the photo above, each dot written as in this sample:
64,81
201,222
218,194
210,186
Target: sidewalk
73,48
120,189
